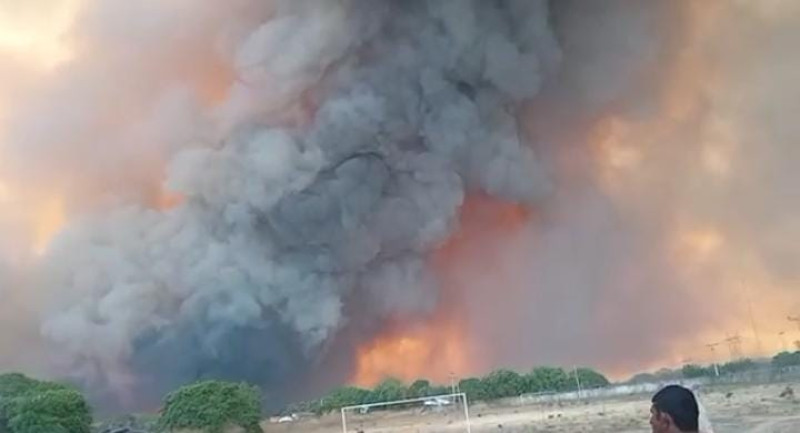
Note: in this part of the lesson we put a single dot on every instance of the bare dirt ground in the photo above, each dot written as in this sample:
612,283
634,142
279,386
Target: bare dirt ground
732,409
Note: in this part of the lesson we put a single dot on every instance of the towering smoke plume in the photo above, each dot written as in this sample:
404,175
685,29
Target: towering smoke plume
400,107
254,189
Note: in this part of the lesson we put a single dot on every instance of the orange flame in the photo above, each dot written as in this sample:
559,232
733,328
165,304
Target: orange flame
166,199
434,351
439,349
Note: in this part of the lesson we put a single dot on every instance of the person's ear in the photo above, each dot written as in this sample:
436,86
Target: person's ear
662,421
667,421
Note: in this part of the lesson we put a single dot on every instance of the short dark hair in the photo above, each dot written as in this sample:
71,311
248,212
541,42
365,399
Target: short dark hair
679,403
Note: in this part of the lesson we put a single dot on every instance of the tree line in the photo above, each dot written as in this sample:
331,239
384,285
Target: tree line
779,361
29,405
33,406
496,385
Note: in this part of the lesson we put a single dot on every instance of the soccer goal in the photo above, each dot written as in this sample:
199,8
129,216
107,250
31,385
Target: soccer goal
415,415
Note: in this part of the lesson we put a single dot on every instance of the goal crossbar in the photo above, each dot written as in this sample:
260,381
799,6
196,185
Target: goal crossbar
455,397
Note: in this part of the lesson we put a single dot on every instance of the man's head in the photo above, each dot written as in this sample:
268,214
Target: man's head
674,410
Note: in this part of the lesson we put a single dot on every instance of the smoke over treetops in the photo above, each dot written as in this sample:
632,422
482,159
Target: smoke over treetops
304,193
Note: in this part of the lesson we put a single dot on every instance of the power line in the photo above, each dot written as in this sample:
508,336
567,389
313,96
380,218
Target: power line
713,347
795,319
735,346
781,335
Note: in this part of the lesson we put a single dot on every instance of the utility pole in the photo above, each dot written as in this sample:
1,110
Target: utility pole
796,320
759,348
578,381
713,347
783,340
735,346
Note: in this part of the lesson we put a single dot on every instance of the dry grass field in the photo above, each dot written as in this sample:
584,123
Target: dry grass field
732,409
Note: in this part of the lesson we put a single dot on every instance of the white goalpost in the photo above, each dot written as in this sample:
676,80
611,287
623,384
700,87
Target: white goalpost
437,402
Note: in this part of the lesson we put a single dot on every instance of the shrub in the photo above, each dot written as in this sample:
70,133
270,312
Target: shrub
54,411
210,406
738,366
786,359
503,383
692,371
344,396
388,390
420,388
591,379
32,406
548,379
473,388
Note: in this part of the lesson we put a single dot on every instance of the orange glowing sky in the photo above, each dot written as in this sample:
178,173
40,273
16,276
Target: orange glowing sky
633,163
34,35
690,154
37,30
36,41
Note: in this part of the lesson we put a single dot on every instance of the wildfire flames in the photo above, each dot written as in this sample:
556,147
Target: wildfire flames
439,347
433,351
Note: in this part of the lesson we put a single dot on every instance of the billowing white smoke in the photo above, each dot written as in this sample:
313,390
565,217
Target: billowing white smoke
283,220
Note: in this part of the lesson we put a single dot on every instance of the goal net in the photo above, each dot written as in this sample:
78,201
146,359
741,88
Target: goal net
418,415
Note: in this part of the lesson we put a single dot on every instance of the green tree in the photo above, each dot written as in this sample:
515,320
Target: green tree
738,366
786,359
473,388
591,379
643,378
388,390
210,406
547,379
344,396
503,383
28,406
420,388
62,410
15,384
439,390
692,371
